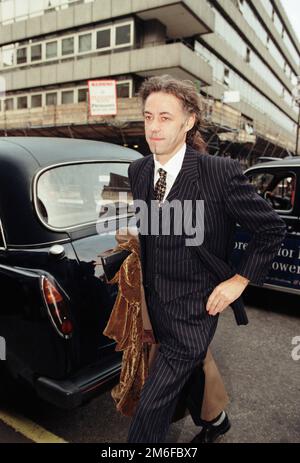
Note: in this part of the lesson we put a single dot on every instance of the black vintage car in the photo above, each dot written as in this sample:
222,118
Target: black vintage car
54,301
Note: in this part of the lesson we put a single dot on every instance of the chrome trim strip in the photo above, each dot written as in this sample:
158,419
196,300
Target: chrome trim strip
264,165
283,210
288,216
20,270
4,248
13,246
64,336
75,227
278,288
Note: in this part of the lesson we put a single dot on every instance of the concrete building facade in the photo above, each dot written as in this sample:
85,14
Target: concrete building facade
50,49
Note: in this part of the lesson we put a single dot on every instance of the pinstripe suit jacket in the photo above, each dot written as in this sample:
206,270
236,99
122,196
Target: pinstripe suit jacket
229,198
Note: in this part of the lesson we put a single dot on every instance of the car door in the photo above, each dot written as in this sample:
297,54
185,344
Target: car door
89,201
279,186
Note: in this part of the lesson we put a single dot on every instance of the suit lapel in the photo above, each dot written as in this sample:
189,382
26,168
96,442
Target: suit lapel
188,175
141,193
143,184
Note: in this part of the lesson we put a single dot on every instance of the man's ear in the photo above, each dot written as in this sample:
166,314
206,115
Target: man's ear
190,122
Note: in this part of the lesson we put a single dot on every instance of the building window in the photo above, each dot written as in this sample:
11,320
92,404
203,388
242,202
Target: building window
113,36
226,76
82,94
123,90
22,102
67,97
36,52
291,48
9,104
51,50
273,14
36,101
67,46
268,6
84,43
240,4
277,55
8,56
51,98
123,34
248,53
21,55
103,38
286,69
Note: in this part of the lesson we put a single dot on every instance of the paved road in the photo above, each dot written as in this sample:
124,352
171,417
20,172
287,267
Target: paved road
10,436
262,379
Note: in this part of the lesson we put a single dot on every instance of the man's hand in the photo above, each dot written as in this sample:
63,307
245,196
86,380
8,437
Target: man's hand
225,293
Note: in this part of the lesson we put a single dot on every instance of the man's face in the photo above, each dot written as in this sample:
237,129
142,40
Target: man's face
166,124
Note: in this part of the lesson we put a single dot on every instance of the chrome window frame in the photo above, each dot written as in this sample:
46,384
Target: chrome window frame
4,247
84,224
291,171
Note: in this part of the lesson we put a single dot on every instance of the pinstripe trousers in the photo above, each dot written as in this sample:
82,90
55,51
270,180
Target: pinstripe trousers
184,330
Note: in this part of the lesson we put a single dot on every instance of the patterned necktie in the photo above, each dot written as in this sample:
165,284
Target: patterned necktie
161,185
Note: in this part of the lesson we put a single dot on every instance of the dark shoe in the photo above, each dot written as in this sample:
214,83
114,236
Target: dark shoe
209,434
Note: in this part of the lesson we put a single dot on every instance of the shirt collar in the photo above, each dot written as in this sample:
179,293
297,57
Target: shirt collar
174,164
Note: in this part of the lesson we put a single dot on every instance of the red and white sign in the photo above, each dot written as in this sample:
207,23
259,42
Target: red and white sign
102,97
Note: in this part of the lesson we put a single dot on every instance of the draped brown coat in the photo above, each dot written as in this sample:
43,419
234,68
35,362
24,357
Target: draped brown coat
129,325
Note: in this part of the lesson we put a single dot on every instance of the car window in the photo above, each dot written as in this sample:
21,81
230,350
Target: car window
71,195
279,190
261,181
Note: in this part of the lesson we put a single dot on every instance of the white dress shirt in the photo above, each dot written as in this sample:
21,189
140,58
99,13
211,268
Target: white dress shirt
172,167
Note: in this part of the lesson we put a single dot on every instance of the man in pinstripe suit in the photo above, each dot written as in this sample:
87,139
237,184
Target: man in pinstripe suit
187,287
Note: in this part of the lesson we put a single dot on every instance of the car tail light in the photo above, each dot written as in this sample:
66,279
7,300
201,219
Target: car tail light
58,310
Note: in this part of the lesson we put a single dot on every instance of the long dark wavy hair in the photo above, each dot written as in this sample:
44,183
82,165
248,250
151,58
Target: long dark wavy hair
186,92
